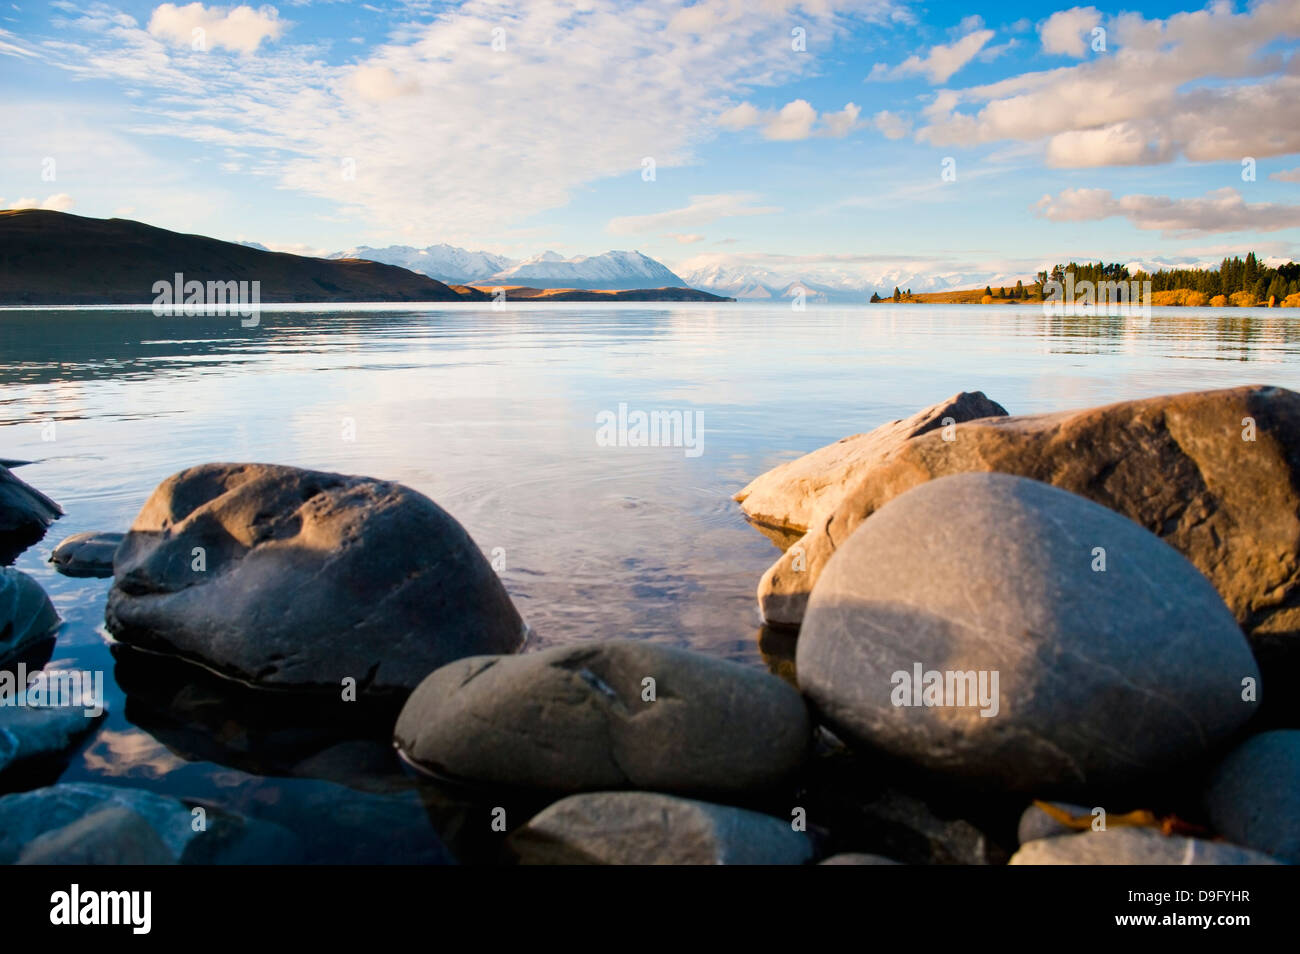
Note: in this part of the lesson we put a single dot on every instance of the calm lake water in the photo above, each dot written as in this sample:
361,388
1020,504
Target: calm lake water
493,415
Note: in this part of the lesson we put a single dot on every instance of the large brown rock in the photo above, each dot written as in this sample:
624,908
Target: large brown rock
296,579
790,496
1178,465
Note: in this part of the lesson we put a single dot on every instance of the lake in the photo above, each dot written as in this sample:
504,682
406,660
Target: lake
493,414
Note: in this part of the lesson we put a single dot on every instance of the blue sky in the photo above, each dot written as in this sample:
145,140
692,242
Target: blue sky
1074,132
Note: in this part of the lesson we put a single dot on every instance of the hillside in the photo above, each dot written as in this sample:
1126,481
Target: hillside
53,258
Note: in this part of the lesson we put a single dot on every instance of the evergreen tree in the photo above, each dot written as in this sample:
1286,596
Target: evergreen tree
1020,288
988,291
897,294
875,297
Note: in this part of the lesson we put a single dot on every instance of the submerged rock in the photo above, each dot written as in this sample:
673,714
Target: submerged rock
112,835
29,732
25,515
645,828
94,814
27,617
1254,795
790,496
87,554
616,714
1215,474
1134,846
295,579
967,628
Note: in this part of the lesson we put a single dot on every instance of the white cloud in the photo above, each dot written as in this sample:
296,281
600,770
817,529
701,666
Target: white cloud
940,63
702,210
241,29
795,120
891,125
477,140
1189,85
1287,175
1063,32
1223,210
378,83
841,123
688,238
59,202
741,117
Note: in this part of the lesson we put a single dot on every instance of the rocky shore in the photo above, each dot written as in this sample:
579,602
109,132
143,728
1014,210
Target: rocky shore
1055,639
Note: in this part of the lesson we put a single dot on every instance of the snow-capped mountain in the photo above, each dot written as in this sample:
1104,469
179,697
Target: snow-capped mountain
756,283
609,270
762,284
446,263
613,270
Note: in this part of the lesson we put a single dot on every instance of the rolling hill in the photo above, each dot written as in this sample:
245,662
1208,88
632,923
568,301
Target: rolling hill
54,258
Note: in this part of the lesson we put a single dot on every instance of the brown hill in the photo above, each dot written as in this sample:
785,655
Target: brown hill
53,258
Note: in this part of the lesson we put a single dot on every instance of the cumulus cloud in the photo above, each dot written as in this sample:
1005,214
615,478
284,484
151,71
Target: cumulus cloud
891,125
702,210
1223,210
1184,86
795,120
940,63
240,28
741,117
59,202
1067,32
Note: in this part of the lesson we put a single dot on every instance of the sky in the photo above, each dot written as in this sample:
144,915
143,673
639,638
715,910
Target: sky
867,140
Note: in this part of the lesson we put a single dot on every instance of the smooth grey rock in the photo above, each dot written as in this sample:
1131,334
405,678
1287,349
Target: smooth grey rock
87,554
26,614
112,835
34,731
1036,823
575,718
306,579
1104,678
1253,797
858,858
26,816
25,515
1134,846
646,828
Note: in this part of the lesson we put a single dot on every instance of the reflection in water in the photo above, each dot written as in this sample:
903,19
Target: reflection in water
493,415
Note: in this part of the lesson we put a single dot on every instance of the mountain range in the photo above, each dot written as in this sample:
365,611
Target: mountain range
616,270
636,270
